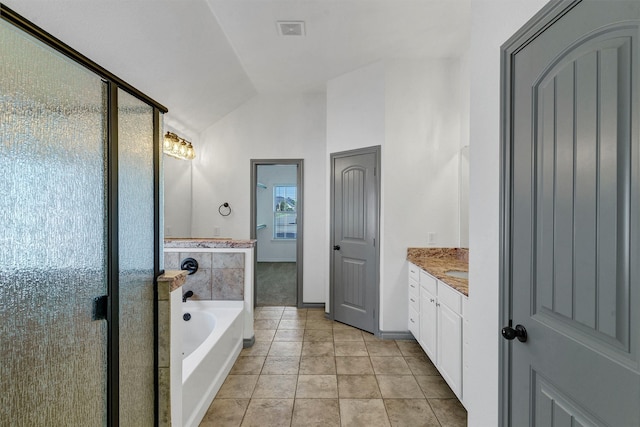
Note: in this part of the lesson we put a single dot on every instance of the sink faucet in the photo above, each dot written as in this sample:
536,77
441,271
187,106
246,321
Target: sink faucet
186,295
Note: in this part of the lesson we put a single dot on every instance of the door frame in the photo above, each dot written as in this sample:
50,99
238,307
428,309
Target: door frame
333,156
548,15
113,83
299,219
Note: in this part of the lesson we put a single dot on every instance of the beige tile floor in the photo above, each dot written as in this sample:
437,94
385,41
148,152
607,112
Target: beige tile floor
305,370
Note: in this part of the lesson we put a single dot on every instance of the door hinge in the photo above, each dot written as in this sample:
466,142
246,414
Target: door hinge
375,171
374,241
100,306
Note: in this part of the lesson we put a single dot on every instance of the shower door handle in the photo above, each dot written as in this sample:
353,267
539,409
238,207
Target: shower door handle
100,307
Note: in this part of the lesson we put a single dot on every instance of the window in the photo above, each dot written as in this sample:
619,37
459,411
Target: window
285,224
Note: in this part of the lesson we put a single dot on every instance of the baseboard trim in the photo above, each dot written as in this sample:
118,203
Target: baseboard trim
396,335
312,305
248,342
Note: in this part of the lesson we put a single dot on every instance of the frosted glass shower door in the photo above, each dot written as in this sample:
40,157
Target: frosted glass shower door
136,259
53,356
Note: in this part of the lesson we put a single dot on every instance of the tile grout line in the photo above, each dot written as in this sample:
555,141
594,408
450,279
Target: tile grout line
377,383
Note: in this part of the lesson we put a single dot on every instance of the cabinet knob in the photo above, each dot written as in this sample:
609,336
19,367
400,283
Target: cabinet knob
432,300
412,321
412,300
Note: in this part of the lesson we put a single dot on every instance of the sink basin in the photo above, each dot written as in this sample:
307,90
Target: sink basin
458,274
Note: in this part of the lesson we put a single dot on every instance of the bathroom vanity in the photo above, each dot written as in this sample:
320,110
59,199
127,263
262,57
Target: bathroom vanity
438,289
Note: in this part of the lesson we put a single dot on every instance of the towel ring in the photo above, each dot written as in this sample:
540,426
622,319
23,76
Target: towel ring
224,209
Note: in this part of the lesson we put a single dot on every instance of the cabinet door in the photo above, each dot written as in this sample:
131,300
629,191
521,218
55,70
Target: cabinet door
428,324
465,351
450,347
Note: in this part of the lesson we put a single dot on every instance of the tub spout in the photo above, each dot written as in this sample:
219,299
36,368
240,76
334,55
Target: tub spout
186,295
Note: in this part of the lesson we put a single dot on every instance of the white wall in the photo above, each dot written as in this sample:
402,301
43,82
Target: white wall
270,250
355,119
412,109
266,127
419,171
493,22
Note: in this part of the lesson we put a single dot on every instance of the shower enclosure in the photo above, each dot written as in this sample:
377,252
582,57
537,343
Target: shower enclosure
79,237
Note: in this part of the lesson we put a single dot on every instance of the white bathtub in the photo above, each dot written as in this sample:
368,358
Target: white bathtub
212,340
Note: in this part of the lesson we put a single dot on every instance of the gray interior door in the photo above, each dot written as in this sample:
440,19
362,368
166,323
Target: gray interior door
572,218
355,229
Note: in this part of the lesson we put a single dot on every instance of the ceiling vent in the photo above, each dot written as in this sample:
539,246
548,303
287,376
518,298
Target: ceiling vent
291,28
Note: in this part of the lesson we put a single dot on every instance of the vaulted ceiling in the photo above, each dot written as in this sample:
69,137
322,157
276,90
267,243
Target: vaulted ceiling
204,58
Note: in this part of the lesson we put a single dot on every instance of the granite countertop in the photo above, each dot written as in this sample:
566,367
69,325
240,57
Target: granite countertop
174,279
207,242
437,261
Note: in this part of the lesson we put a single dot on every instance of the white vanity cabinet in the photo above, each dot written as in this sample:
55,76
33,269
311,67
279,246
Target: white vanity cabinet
441,324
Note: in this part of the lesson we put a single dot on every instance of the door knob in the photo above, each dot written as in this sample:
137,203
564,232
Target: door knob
336,247
519,332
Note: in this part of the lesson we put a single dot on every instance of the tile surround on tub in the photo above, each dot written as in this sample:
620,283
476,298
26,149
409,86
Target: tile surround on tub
220,275
227,260
200,284
228,284
203,258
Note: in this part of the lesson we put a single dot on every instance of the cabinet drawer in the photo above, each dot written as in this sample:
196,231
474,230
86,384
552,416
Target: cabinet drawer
414,302
450,297
428,282
414,288
414,272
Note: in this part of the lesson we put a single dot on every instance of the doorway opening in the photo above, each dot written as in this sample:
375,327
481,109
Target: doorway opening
276,224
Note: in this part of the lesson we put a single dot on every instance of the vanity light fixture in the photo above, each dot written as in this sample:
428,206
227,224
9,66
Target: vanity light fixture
177,147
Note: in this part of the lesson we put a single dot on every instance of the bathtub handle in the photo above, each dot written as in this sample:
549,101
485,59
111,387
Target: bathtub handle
189,264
